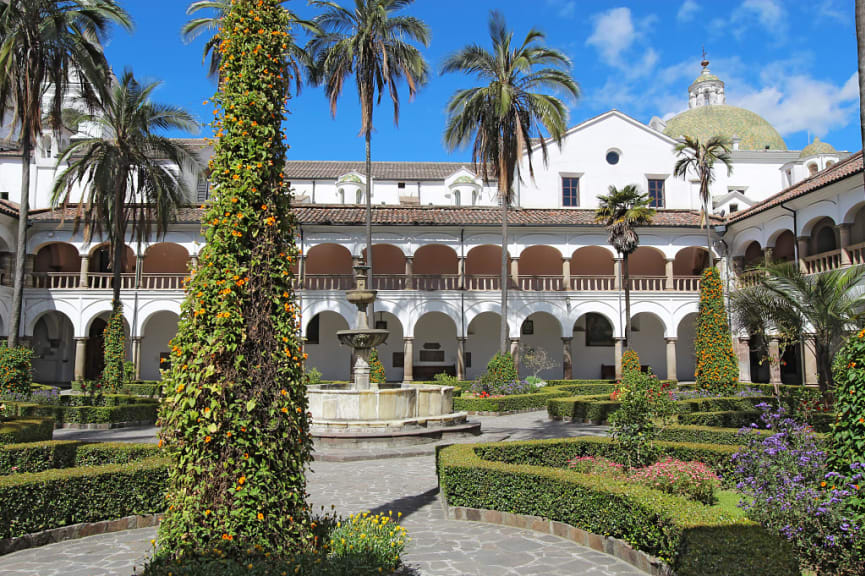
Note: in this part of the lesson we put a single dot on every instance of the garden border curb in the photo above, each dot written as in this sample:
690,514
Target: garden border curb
613,546
74,531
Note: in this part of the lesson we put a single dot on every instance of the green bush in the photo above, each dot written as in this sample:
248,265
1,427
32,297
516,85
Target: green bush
142,411
848,432
500,371
313,376
633,426
376,368
16,372
722,404
595,409
704,434
148,388
717,365
696,540
26,430
630,362
114,342
721,418
56,454
508,403
54,498
103,400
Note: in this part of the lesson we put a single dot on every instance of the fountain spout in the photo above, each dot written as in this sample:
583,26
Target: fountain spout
362,339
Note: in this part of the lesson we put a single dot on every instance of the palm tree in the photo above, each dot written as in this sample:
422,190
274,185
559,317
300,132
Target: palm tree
54,44
506,116
829,305
131,161
860,42
374,44
621,211
297,56
700,157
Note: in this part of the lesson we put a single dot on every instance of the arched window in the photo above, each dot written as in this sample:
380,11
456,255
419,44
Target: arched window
825,239
812,168
474,197
359,197
457,198
341,195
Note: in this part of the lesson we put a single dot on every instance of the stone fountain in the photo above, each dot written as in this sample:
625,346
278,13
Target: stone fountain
363,414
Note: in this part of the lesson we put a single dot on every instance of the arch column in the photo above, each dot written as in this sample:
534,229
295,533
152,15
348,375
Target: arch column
85,269
668,270
515,271
775,362
136,356
672,369
743,352
408,359
409,272
461,358
567,360
808,349
29,266
515,353
617,273
768,255
619,350
80,359
566,273
802,250
461,272
844,242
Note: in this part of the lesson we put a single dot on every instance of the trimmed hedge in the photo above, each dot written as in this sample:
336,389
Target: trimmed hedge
722,419
696,540
54,498
103,400
143,411
508,403
722,404
595,409
704,434
57,454
26,430
150,389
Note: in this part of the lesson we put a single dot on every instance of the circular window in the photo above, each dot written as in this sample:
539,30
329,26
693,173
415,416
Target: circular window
612,157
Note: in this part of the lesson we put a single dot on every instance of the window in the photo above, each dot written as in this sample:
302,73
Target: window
400,185
599,331
467,358
474,197
202,190
457,198
313,329
359,197
656,193
342,195
570,191
398,360
812,168
612,157
734,208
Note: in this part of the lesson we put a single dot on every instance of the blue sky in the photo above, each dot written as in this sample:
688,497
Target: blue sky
792,61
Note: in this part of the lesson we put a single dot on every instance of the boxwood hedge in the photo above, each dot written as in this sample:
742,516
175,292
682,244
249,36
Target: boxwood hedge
508,403
722,418
56,454
593,408
142,411
26,430
54,498
696,540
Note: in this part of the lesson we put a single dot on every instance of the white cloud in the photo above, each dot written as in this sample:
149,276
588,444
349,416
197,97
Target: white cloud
563,8
829,10
613,33
769,15
687,11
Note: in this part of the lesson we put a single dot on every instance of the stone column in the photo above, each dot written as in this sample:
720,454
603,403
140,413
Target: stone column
80,359
139,265
409,272
743,352
408,359
566,273
672,373
774,362
617,273
669,283
810,376
85,269
802,244
768,255
619,350
567,361
461,358
515,272
461,272
515,353
843,243
29,265
136,356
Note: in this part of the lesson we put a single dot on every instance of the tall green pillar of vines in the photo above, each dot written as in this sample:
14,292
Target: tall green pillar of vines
235,417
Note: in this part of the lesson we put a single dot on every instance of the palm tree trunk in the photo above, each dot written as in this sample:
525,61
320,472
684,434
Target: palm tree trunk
824,367
370,310
21,248
504,276
708,230
860,40
626,281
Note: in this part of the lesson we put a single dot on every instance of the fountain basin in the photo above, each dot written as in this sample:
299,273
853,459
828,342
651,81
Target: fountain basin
363,338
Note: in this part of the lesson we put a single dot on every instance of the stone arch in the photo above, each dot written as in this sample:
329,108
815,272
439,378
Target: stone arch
386,259
657,310
33,311
151,309
823,237
328,258
541,331
754,255
165,258
648,331
744,239
427,306
157,330
605,309
339,306
478,308
593,350
541,307
784,249
435,267
686,358
435,345
482,341
592,261
100,258
54,348
388,320
322,346
647,261
57,257
691,261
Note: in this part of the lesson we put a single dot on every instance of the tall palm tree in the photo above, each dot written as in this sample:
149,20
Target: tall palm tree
375,45
621,211
700,158
131,162
46,48
860,42
297,56
505,118
830,306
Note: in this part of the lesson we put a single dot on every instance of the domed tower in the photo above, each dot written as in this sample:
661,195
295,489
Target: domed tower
707,89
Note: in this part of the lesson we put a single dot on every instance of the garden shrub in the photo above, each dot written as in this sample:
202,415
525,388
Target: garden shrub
55,454
593,465
235,418
54,498
376,368
721,403
114,373
848,431
594,408
717,365
508,403
705,434
693,480
500,372
641,401
696,540
142,411
720,418
313,376
630,362
445,379
26,430
16,372
788,486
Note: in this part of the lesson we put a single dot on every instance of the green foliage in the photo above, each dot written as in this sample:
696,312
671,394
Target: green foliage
376,368
642,400
313,376
372,541
150,389
705,434
630,362
721,418
592,408
510,403
113,376
717,365
696,540
142,411
16,372
500,371
234,419
55,498
26,430
848,432
56,454
445,379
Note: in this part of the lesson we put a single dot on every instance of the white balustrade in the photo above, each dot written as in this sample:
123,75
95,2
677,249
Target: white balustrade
541,283
648,283
823,262
593,283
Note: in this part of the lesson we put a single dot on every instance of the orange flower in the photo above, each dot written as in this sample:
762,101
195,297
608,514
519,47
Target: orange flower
284,410
260,516
207,439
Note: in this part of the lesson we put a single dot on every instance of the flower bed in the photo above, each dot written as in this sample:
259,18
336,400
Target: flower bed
57,454
26,430
695,539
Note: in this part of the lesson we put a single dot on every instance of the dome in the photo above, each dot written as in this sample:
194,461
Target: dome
817,147
703,122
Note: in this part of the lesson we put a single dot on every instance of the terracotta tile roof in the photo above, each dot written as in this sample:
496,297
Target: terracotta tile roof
9,208
341,215
410,171
847,167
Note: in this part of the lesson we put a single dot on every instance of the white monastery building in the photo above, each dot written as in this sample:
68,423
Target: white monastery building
436,253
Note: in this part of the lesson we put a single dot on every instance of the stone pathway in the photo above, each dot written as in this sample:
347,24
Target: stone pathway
439,547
